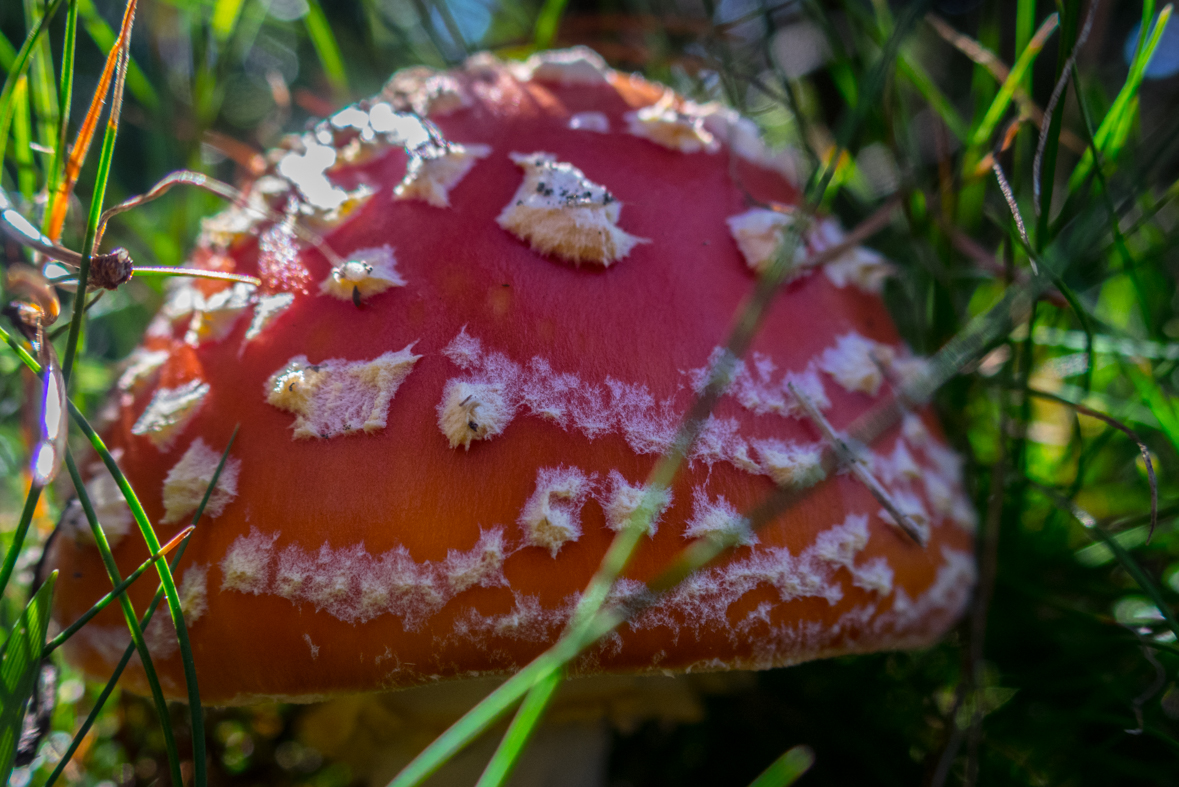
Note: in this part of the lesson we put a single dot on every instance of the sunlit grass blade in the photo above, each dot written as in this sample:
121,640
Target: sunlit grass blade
911,70
137,636
104,37
20,64
225,16
548,21
117,591
787,769
326,49
65,98
18,536
20,663
520,731
59,202
1143,580
1115,127
129,651
22,137
981,137
42,88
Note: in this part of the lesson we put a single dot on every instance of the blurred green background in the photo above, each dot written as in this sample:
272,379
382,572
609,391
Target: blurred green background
1069,676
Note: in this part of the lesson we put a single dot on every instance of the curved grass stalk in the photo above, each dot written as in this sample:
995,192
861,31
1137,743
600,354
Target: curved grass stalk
104,695
137,638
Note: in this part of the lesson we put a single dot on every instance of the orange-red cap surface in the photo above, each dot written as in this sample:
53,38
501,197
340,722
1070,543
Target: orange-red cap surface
449,406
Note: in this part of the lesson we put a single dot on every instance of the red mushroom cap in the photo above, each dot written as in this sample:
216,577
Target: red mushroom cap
450,405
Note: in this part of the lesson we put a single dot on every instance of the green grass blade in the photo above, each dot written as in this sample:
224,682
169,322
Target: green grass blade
20,664
787,769
1115,127
917,76
7,53
137,638
20,64
65,97
41,84
22,137
151,610
117,591
18,536
326,49
520,731
981,137
225,16
170,592
548,21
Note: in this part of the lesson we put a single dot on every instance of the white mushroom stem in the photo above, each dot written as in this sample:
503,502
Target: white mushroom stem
850,457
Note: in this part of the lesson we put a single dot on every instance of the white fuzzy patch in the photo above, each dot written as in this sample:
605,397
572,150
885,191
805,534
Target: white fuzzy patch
480,566
139,366
246,567
898,466
557,210
473,411
590,121
312,645
366,273
425,91
217,314
759,232
527,621
743,137
110,508
851,362
577,65
859,266
434,170
717,519
186,482
567,400
623,500
169,412
673,124
552,516
338,397
266,310
791,464
194,593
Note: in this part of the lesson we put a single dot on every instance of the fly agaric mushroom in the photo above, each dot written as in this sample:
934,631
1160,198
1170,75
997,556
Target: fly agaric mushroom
443,427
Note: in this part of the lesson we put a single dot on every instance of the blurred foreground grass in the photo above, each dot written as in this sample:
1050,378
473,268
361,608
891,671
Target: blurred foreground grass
1066,672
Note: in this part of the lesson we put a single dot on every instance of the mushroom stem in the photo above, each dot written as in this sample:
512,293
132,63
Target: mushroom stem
850,457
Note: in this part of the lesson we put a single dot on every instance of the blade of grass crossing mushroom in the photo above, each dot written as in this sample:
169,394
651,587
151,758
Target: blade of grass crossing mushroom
117,591
151,610
153,544
503,762
1111,134
100,182
137,638
20,662
787,769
